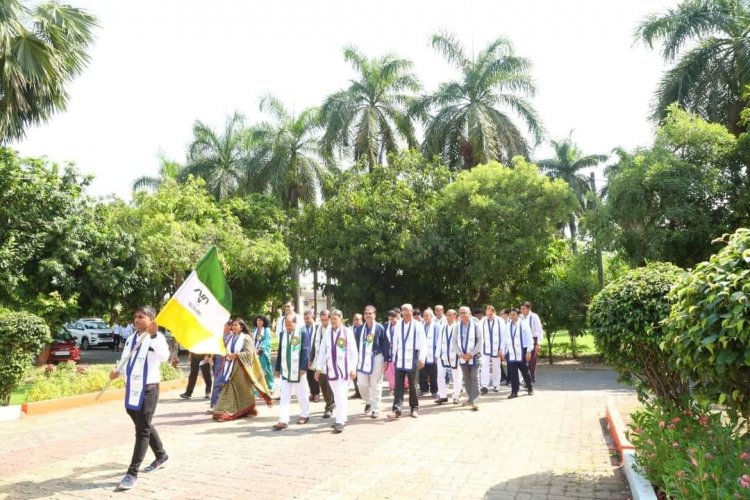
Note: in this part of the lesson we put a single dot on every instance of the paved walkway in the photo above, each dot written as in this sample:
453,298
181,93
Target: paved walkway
551,445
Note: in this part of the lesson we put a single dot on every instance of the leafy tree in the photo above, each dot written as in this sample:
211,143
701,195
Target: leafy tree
58,253
495,227
369,116
219,159
626,320
371,237
168,169
568,282
173,227
567,165
285,160
668,202
708,328
42,48
472,120
708,76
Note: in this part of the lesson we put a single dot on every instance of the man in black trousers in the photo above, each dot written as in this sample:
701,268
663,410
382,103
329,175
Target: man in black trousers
198,362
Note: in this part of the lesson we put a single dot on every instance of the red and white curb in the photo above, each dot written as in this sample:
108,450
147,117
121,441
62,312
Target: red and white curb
640,487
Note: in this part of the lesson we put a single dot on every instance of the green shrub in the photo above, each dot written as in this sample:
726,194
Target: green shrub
708,329
689,452
22,338
69,379
625,318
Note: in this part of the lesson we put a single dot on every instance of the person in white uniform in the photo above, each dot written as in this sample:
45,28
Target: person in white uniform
492,327
409,350
145,350
448,361
337,359
517,343
374,355
468,344
291,362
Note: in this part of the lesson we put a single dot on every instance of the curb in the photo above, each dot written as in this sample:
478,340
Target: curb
10,412
640,487
89,399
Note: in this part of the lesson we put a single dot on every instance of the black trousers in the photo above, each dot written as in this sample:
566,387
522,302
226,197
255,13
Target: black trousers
325,388
195,365
398,392
314,384
513,368
145,434
428,379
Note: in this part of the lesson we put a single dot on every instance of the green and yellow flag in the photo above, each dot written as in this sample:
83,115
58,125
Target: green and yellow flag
197,312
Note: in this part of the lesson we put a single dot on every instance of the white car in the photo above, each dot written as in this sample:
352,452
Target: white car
91,332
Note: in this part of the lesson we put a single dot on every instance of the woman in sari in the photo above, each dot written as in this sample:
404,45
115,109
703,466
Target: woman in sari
242,375
262,341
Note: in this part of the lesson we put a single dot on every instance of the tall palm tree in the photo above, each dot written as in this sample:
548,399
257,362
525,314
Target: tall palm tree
470,120
220,159
708,41
285,160
369,116
567,165
168,169
41,49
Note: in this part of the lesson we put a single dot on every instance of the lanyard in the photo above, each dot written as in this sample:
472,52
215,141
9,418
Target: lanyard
465,337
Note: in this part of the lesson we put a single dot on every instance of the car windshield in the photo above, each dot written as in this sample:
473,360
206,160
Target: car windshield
63,335
97,325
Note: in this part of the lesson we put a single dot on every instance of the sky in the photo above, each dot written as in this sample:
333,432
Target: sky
157,66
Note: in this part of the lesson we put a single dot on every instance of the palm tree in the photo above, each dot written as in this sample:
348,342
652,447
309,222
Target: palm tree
470,124
168,169
285,160
371,114
710,76
41,49
221,160
567,165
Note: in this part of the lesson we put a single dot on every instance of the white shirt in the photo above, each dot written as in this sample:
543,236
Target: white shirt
158,353
514,345
535,325
417,341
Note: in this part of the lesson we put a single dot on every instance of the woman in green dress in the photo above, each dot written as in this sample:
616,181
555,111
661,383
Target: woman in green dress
262,340
243,376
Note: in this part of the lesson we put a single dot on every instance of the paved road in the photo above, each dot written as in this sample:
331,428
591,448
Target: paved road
551,445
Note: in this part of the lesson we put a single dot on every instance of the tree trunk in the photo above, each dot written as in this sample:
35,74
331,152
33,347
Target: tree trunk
599,260
328,293
315,292
573,233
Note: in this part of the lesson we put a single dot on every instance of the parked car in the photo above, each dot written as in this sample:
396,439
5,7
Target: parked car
63,348
91,332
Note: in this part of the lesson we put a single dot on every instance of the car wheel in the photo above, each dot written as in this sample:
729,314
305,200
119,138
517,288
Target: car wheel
85,344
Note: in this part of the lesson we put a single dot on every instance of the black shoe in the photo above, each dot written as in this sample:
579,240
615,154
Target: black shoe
495,389
440,401
484,390
512,395
185,395
338,428
355,396
157,464
367,409
414,413
531,391
208,395
327,414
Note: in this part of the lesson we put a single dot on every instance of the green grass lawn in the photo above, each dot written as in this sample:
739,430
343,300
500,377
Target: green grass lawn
18,396
561,345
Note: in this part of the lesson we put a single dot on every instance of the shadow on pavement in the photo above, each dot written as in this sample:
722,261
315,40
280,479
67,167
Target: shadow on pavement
551,485
68,484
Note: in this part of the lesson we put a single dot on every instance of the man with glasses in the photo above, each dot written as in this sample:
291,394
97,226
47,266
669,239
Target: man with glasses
374,356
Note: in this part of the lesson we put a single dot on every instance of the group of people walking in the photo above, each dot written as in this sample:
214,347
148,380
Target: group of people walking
415,351
418,352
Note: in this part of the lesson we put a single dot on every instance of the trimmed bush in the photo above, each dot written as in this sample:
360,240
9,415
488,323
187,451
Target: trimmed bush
22,338
625,318
708,329
689,452
69,379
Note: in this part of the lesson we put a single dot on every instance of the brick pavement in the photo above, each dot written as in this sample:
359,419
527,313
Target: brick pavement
551,445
